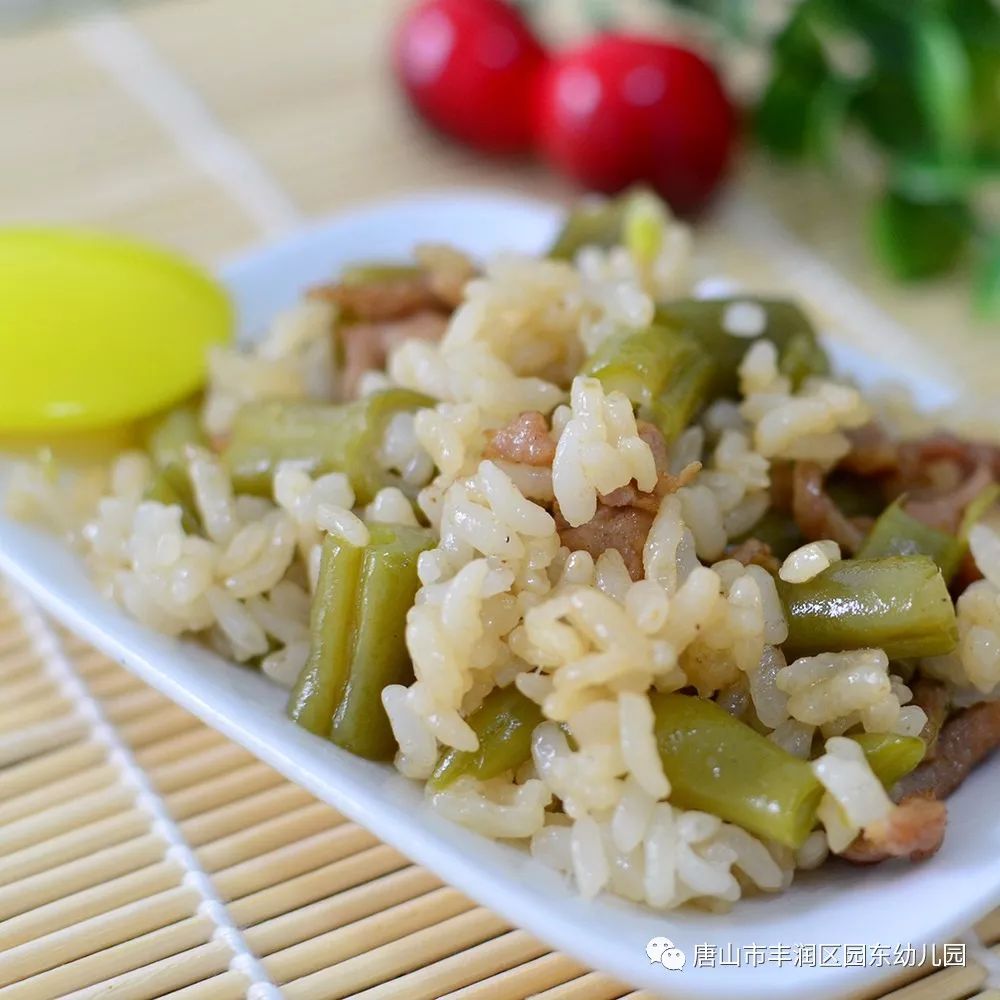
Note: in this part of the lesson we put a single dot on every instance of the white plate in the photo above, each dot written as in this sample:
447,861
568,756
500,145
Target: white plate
890,905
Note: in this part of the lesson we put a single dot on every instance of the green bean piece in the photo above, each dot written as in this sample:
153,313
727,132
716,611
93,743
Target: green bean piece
718,764
379,656
171,486
802,356
639,364
896,533
684,398
891,755
321,683
504,723
323,437
799,351
898,603
358,638
596,222
167,436
663,372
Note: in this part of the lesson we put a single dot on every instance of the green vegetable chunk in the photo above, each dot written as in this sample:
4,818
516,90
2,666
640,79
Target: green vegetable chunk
891,755
358,638
171,486
322,436
919,239
896,533
720,765
504,724
597,222
663,372
799,351
899,604
166,437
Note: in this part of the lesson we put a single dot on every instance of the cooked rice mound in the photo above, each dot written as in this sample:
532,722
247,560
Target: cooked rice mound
587,636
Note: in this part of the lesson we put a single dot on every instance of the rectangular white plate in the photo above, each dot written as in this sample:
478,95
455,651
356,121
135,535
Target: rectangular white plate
889,905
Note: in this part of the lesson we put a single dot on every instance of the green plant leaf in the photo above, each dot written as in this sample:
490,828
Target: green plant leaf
828,114
931,178
783,115
943,82
987,281
916,239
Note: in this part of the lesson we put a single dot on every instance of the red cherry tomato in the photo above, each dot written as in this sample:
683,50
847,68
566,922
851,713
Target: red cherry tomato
471,67
623,110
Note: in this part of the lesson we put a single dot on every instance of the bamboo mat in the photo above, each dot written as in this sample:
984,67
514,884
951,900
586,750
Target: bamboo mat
142,854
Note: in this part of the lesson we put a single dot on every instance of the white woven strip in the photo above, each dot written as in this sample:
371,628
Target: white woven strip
113,44
58,666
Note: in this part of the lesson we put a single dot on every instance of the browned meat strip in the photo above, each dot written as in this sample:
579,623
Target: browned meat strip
916,456
915,829
873,452
621,528
965,740
378,301
932,696
754,552
631,496
525,440
945,510
782,485
817,516
652,435
367,345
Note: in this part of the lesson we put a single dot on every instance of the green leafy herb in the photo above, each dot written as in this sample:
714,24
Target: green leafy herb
918,239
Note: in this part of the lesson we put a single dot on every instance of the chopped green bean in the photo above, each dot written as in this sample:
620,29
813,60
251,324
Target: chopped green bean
167,435
718,764
898,603
504,724
171,486
891,755
896,533
684,398
663,372
358,638
334,606
596,222
165,438
322,437
799,351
